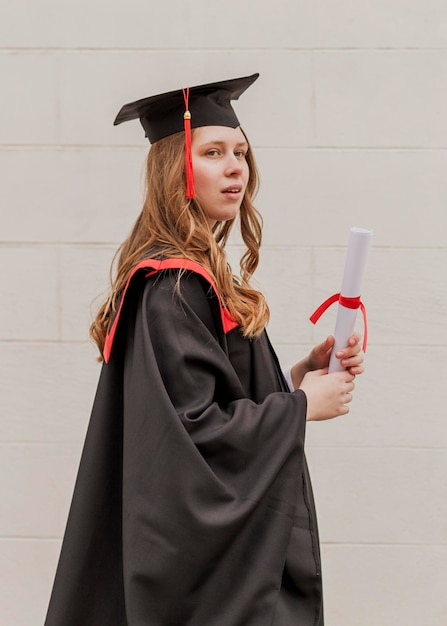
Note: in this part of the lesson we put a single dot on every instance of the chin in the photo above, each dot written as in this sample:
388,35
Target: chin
226,215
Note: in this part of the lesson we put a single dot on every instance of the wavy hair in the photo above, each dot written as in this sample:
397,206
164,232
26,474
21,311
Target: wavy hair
170,225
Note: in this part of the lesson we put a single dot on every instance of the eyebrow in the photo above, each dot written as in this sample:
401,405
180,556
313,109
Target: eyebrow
223,143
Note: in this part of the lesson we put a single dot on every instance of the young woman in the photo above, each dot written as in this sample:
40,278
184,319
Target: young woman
193,505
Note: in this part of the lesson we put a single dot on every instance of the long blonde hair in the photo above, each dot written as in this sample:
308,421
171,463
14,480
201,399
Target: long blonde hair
170,225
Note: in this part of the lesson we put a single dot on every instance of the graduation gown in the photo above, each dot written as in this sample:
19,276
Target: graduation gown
192,505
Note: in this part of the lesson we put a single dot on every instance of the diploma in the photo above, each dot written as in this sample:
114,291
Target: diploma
349,297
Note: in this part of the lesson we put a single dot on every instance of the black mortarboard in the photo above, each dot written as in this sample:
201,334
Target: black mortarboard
209,105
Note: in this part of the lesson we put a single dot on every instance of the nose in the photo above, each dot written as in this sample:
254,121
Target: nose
234,166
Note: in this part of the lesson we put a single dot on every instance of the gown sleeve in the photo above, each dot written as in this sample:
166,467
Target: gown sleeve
210,477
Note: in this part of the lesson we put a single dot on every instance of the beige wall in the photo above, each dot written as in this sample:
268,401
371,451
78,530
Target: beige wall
350,127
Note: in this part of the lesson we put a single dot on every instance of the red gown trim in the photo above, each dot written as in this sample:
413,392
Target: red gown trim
155,265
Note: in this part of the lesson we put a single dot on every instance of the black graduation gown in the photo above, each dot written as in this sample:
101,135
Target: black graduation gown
192,505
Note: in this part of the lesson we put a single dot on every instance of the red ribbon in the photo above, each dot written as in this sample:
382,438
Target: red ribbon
349,303
189,172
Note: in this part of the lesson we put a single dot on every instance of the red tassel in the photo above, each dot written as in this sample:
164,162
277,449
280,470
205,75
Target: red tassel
189,172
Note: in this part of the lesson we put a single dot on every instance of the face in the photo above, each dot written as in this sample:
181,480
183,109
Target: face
220,170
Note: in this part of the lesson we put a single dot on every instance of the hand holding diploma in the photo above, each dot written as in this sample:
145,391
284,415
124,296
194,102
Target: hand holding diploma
351,357
348,299
339,355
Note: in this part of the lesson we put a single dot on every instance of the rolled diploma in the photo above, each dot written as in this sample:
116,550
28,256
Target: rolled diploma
356,255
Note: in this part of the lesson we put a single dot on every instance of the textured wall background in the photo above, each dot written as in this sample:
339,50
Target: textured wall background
349,124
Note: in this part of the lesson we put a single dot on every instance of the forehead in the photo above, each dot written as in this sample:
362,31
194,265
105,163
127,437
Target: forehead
207,134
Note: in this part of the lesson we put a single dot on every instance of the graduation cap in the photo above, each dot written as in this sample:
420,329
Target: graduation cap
203,105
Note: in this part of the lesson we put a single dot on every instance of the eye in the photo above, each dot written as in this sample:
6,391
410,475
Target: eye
240,154
212,152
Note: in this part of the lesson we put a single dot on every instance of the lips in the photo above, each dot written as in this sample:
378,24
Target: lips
234,189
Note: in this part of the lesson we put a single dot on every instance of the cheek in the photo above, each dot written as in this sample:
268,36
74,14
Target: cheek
203,179
246,173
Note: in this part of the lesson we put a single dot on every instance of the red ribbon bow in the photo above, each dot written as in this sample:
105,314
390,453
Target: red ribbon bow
349,303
